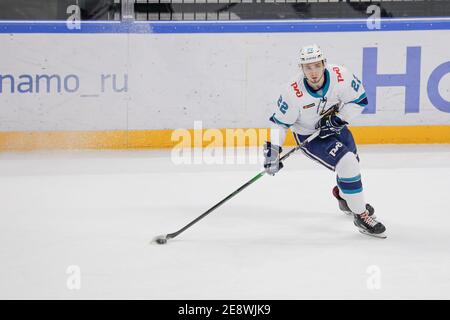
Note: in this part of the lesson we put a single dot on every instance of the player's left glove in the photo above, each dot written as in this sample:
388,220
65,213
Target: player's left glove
330,125
272,163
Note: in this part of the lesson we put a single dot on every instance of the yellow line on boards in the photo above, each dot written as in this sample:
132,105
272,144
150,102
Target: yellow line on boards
135,139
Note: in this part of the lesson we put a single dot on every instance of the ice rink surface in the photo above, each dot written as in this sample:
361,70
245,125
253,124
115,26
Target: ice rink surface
282,238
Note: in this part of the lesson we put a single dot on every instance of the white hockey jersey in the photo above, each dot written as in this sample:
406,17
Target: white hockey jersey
300,107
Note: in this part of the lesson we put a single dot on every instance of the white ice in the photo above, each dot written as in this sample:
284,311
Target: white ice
282,238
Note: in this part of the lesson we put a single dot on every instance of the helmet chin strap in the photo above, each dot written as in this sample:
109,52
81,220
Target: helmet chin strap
318,81
323,73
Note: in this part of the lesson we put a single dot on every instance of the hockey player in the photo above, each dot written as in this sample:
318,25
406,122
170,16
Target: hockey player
334,90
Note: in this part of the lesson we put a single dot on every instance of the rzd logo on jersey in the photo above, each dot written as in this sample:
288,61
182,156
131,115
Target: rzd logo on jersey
338,73
335,149
298,93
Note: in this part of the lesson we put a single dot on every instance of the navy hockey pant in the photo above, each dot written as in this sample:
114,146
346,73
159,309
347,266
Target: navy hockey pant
330,150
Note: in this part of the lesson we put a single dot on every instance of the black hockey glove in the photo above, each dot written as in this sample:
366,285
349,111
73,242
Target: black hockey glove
330,125
272,162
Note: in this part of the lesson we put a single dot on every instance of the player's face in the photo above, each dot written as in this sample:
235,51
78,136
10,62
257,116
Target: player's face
314,71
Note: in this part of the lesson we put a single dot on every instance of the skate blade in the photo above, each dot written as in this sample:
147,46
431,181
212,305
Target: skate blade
380,235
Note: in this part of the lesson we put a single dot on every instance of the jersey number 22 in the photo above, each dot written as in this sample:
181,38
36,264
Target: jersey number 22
282,105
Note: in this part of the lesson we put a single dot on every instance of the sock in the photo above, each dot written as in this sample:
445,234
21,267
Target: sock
349,183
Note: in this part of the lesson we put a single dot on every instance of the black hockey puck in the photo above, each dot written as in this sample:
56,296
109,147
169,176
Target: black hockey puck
161,241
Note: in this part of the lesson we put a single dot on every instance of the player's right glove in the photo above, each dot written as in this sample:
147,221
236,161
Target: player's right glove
330,125
272,162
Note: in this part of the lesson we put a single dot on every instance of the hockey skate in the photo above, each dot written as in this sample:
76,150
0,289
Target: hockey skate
343,206
368,225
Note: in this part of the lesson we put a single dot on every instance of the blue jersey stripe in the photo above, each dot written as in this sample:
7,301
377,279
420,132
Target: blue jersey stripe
276,121
361,97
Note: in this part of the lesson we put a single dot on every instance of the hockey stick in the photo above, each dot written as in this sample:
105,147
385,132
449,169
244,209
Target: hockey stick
162,239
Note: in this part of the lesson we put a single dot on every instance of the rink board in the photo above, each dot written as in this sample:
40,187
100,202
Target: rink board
116,85
136,139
